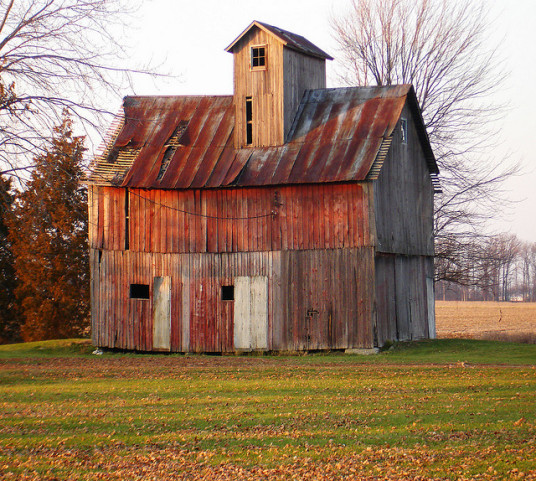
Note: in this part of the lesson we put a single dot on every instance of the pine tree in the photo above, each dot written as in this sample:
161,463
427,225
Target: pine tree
9,322
49,241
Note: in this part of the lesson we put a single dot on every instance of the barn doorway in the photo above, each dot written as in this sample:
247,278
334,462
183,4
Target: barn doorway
162,313
251,313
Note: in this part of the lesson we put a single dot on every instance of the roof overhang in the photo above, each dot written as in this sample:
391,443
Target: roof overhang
288,39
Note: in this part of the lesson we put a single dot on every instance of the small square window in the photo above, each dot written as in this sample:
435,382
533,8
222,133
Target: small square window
139,291
404,130
227,293
258,57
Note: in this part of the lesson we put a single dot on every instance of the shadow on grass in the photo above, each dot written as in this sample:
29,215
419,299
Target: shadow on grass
436,351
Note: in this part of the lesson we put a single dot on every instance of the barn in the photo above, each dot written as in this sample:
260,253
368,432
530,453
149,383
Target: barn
286,217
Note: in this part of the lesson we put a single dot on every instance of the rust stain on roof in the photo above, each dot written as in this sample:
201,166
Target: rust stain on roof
337,136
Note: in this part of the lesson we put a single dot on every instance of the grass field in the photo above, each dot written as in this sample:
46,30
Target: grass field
506,321
446,409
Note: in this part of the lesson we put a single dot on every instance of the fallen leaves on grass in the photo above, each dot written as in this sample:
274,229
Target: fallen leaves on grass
202,418
173,462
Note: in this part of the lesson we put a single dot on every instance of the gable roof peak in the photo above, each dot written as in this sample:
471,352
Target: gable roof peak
289,39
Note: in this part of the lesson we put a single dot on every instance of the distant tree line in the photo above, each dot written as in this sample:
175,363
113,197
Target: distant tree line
494,268
44,267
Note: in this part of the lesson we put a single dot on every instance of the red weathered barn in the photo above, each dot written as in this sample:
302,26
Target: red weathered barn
285,217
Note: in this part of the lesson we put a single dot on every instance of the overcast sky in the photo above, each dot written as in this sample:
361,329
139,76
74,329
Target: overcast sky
188,38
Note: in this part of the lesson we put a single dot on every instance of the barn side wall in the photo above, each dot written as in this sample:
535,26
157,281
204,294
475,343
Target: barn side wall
403,204
404,197
300,217
404,297
315,299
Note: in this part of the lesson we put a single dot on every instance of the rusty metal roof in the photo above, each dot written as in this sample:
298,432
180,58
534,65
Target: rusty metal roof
289,39
338,135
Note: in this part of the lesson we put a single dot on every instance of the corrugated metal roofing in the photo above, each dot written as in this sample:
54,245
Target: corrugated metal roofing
291,40
337,136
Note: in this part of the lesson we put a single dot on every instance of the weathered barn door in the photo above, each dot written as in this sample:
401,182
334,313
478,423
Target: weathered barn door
251,313
162,313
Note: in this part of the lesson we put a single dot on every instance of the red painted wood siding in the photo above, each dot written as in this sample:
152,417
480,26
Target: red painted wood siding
232,220
317,299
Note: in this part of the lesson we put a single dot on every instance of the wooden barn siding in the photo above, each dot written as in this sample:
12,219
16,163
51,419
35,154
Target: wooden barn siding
402,297
403,197
264,86
317,299
302,72
305,217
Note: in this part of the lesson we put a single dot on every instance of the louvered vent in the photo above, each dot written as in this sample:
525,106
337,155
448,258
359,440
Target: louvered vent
380,158
111,166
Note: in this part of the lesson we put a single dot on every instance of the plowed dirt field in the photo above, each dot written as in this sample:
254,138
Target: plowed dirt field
508,321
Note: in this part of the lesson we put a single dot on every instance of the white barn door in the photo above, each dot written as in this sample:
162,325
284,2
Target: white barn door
162,313
251,313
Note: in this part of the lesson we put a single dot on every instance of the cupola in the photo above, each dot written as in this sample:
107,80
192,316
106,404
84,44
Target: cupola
272,70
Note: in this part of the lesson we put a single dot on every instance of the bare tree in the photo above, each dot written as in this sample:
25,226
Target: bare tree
527,260
442,48
532,297
56,55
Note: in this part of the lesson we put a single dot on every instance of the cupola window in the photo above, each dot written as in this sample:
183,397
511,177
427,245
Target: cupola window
258,57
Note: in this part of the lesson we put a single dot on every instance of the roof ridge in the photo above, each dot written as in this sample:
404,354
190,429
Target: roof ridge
291,40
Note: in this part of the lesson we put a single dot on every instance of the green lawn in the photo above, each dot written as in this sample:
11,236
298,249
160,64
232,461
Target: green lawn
436,409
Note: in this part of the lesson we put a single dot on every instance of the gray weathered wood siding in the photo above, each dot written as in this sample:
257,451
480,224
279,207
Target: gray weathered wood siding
404,197
316,299
403,298
302,72
403,205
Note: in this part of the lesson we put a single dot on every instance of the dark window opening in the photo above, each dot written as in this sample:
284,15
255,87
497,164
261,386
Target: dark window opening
249,109
179,136
249,120
139,291
404,130
258,57
227,293
166,159
112,155
127,219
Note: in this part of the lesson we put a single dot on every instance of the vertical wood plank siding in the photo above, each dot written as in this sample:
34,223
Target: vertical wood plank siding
404,198
264,86
402,297
231,220
302,72
317,299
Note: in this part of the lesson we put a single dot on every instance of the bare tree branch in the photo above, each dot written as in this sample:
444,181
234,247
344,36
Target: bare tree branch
442,48
56,55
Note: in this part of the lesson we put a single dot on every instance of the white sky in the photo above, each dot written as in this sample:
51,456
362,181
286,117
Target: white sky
188,38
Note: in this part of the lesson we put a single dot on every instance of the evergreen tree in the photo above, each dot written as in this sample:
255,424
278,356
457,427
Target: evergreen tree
49,242
9,322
